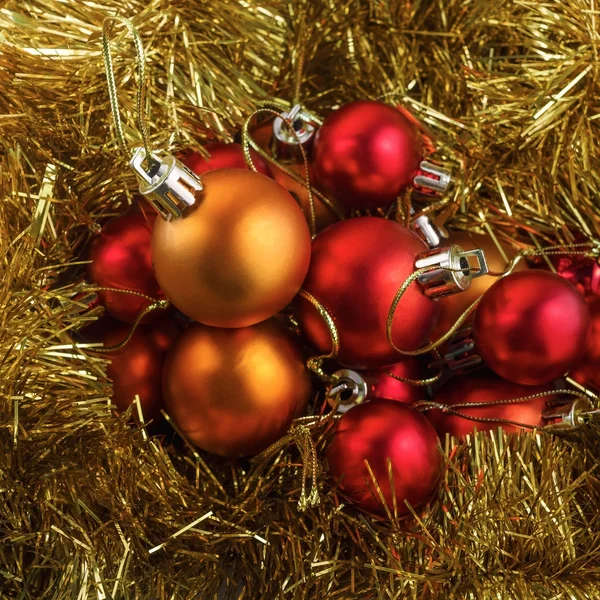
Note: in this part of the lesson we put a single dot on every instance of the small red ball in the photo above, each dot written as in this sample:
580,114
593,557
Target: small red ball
581,271
531,327
366,153
137,367
357,266
383,384
487,387
120,258
223,156
374,432
587,372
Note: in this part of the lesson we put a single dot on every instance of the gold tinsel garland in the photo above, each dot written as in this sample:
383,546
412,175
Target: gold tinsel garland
91,508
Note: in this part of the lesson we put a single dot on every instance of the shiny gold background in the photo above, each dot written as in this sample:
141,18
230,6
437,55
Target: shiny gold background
91,508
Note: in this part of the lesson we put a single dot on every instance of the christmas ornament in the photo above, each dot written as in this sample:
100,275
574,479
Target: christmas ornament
378,432
486,387
357,267
366,153
451,307
531,327
232,250
582,272
384,383
223,156
120,258
136,369
286,147
587,371
324,216
235,391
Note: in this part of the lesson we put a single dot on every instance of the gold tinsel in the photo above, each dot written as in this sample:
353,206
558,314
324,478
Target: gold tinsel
91,508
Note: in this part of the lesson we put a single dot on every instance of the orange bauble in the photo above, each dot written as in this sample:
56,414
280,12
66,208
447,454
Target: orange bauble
324,216
234,392
237,256
451,307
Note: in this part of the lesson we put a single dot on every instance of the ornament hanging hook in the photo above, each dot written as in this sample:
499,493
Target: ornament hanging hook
112,86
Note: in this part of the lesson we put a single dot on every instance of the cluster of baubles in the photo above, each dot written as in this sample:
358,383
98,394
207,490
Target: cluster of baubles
234,249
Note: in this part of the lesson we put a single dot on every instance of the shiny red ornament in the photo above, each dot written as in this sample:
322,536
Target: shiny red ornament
487,387
531,327
383,384
587,371
582,272
377,431
120,258
357,266
137,367
223,156
366,153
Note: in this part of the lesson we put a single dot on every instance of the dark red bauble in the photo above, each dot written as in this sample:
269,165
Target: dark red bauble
581,271
374,432
137,367
382,384
531,327
223,156
587,371
487,387
366,153
120,258
357,266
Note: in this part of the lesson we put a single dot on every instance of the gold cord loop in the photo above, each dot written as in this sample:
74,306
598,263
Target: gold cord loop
112,86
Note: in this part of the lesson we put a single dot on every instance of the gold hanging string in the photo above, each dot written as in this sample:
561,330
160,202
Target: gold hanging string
315,363
248,142
156,305
107,26
426,405
432,345
300,50
301,436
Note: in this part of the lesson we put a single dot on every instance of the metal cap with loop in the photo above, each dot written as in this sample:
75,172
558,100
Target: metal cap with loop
165,182
569,416
432,178
349,387
456,268
286,144
459,355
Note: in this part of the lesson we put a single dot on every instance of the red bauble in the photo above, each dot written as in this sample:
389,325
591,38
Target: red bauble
357,266
366,153
587,372
531,327
581,271
486,387
375,432
223,156
137,367
382,384
121,259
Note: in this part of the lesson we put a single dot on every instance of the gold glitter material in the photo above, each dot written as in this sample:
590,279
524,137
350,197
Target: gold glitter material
509,92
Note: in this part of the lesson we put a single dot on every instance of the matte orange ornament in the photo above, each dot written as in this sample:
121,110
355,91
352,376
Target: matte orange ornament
235,391
451,307
238,255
